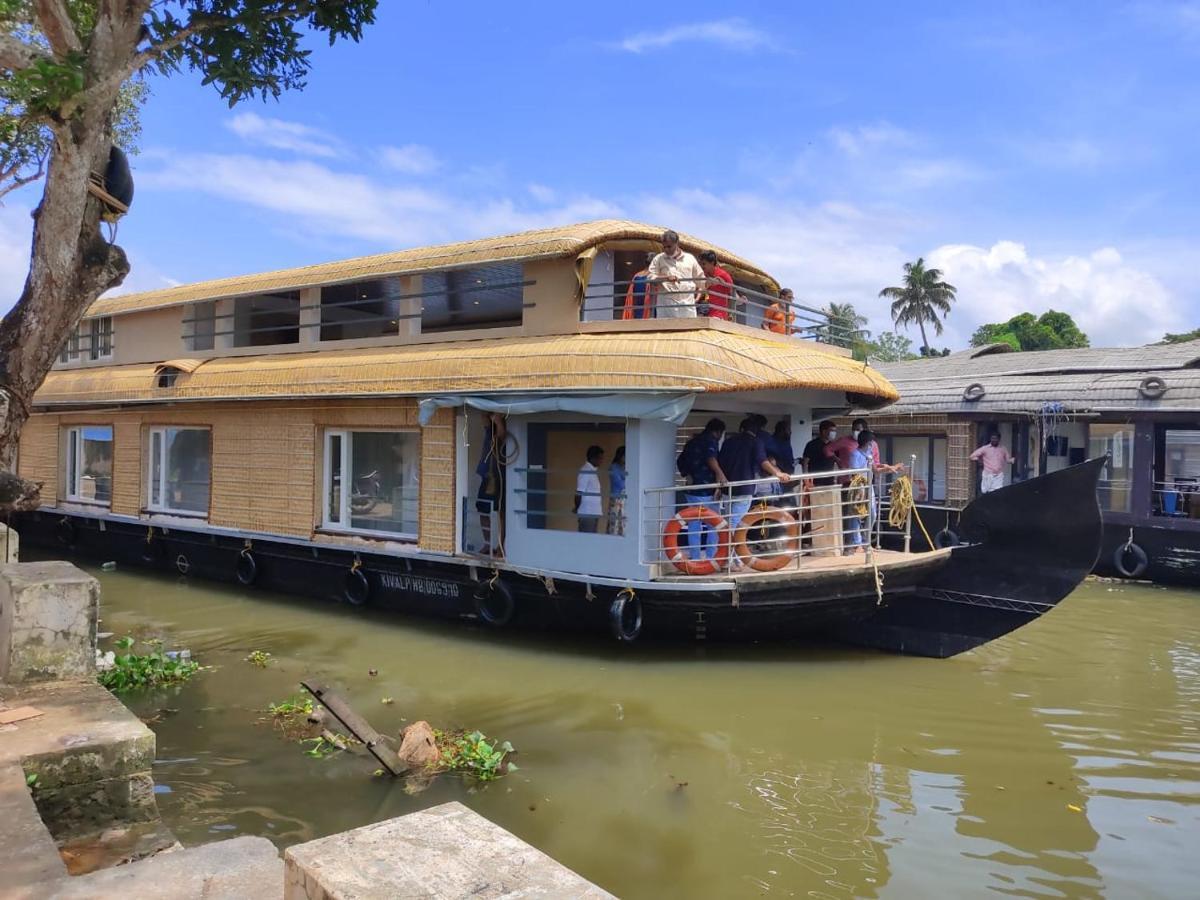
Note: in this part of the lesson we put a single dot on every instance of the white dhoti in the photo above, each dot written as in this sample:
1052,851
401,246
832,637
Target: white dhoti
992,481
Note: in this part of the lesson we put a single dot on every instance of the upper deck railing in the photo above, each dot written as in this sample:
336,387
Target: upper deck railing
635,300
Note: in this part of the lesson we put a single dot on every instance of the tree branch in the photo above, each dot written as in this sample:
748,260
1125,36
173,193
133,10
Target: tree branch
16,55
7,186
56,24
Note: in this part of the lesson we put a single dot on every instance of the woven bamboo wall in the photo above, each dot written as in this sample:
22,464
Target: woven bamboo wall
960,478
266,458
37,454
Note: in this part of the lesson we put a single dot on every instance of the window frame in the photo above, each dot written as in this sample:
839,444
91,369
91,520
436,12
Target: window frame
346,456
160,432
74,454
99,338
887,449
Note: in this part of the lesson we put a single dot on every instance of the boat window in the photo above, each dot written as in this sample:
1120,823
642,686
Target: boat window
372,482
89,458
200,325
361,309
929,470
180,469
1114,490
267,319
1177,481
92,339
478,297
559,473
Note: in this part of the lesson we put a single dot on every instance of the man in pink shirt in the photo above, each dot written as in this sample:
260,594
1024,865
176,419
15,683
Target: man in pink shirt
994,459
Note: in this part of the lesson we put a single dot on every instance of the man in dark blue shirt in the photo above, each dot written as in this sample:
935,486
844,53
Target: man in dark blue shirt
698,462
744,458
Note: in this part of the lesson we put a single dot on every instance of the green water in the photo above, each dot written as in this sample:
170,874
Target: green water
1062,761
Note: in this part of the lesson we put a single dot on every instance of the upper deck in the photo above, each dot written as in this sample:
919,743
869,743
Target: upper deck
557,281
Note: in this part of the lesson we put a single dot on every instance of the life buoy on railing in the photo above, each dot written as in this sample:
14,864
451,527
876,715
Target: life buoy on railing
757,518
947,537
625,616
974,392
1130,551
494,602
356,588
64,531
247,568
678,524
1152,387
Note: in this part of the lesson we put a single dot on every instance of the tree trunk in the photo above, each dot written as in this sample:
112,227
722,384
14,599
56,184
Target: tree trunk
924,340
71,264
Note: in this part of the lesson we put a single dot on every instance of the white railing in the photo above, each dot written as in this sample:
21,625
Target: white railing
761,525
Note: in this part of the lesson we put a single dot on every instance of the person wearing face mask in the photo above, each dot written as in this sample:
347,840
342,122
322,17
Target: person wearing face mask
823,498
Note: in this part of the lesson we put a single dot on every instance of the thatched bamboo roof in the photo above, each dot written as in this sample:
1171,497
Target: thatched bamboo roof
544,243
699,360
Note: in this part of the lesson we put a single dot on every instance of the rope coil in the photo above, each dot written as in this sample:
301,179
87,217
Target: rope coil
903,505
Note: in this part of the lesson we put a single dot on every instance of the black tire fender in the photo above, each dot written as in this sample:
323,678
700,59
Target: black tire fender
151,550
246,569
1122,555
494,603
357,589
625,616
65,532
974,392
947,537
1152,387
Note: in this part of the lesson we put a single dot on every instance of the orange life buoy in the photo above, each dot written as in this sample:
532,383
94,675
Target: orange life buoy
758,517
671,534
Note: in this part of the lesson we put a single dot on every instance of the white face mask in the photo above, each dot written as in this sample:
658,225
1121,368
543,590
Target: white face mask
857,431
833,434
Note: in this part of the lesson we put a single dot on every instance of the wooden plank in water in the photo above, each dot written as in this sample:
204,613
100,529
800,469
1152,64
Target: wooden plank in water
356,725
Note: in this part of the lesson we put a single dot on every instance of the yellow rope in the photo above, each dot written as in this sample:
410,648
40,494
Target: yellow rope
903,506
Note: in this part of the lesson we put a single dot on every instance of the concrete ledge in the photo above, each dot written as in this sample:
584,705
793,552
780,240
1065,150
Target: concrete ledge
30,855
245,868
48,615
445,852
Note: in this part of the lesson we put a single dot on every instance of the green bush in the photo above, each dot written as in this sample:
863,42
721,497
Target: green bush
131,671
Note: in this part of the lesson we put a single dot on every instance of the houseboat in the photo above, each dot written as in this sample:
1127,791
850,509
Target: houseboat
1137,408
434,431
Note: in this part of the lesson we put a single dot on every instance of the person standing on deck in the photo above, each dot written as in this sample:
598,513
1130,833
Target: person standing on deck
489,502
587,491
994,459
779,317
858,498
616,493
779,447
824,496
699,464
678,277
744,458
639,298
720,288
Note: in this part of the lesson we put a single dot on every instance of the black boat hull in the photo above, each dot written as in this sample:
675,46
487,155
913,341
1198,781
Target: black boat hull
935,605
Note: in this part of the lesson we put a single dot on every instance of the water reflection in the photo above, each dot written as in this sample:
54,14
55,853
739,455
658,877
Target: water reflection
1063,761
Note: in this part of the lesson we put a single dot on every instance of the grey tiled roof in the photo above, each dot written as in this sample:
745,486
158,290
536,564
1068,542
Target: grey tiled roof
1082,381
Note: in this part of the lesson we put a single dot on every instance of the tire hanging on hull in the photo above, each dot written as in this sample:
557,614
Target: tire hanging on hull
1127,551
494,603
625,616
247,568
356,588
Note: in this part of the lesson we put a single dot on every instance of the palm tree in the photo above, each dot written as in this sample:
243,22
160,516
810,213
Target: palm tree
845,325
921,298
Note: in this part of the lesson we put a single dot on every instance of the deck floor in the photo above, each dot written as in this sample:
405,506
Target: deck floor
822,566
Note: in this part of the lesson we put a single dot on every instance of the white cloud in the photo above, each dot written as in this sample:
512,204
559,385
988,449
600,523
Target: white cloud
280,134
1113,302
863,138
734,34
411,159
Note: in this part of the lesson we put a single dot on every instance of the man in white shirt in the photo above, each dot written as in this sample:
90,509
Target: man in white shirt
587,491
679,278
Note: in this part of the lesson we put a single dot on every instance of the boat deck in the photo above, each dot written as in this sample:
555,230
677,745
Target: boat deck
817,568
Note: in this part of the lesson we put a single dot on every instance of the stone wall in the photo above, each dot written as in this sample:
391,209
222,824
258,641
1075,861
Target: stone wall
48,615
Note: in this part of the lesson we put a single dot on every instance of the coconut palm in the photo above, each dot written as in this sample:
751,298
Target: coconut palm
921,298
845,324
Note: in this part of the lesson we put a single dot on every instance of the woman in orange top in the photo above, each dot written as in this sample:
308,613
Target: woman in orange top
779,316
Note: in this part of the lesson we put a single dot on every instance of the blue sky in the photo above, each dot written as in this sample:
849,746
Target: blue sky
1044,155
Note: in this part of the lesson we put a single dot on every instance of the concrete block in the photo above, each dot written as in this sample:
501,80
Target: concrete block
48,614
444,852
245,867
92,756
30,855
